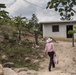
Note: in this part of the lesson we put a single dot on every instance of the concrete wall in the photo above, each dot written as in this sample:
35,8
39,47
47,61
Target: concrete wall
47,31
75,35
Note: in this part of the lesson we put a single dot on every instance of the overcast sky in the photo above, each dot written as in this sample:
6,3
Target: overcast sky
28,7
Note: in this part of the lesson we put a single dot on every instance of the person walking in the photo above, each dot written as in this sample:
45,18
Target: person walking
50,51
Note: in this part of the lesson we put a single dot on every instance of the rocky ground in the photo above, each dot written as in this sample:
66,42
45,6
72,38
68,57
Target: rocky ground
66,66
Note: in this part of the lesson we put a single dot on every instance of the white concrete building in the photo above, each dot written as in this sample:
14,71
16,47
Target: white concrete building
58,29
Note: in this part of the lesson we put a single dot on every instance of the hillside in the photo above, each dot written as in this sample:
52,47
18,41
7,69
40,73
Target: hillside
66,66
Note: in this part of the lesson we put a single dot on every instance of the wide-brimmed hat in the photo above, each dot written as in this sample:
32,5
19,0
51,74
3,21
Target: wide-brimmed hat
48,40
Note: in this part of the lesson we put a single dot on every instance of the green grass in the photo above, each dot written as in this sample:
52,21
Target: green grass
30,66
18,53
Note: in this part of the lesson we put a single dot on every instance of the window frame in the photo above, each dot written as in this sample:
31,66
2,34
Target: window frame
55,28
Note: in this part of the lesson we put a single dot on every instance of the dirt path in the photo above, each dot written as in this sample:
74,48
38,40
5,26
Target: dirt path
67,60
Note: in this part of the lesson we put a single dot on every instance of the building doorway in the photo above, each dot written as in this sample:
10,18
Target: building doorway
69,27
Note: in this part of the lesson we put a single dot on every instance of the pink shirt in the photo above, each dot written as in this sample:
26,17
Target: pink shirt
49,47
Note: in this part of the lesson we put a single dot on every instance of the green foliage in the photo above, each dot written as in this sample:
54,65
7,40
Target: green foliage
3,13
20,25
5,35
75,27
26,43
70,32
10,46
2,6
64,7
33,66
18,53
34,19
35,23
14,34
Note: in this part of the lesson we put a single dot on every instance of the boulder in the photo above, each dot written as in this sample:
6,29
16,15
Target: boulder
22,73
27,59
20,69
1,69
4,58
36,61
9,71
8,64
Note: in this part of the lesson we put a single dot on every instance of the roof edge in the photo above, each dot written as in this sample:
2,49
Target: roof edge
73,21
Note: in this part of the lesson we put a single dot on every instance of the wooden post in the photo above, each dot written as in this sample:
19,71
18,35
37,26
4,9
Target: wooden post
73,40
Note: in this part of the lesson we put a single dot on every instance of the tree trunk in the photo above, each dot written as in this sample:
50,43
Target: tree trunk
36,37
19,35
73,40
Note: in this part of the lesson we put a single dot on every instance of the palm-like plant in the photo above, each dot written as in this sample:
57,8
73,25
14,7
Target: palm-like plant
3,14
20,24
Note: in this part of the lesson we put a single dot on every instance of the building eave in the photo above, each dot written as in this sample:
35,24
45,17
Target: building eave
58,22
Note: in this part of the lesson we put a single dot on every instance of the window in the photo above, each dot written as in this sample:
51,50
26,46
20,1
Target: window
55,28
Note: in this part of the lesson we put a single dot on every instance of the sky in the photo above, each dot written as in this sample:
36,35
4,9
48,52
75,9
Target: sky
25,8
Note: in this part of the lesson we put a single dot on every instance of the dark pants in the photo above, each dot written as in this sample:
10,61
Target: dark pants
51,63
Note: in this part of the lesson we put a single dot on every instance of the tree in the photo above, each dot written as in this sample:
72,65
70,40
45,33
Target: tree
19,24
64,7
72,32
34,21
